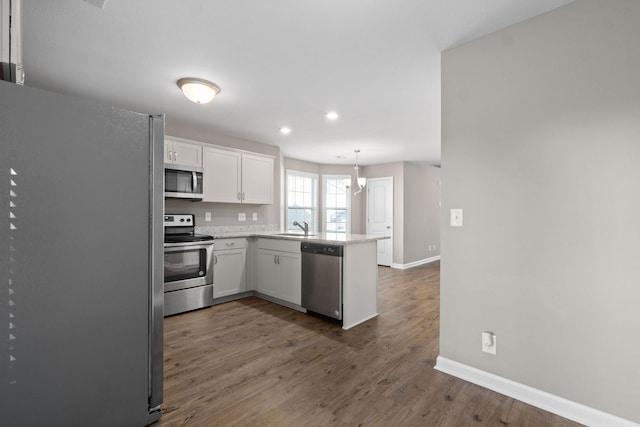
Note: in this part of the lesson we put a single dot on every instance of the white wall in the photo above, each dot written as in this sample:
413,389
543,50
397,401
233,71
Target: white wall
541,148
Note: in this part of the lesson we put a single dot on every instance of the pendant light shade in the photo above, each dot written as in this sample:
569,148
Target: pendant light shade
197,90
360,180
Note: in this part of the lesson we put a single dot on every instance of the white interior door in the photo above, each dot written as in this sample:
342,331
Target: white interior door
380,216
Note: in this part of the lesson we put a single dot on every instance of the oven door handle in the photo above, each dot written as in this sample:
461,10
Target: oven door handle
177,247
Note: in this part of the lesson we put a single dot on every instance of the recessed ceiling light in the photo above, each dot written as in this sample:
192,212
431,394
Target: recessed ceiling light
332,115
285,130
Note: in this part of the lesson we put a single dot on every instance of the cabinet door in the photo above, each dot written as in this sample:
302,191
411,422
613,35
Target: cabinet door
186,154
290,288
221,177
257,179
229,276
268,273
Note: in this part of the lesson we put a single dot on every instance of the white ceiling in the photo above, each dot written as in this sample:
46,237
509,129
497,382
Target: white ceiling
278,62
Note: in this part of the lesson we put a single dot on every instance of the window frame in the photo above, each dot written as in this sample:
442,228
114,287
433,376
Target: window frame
313,227
324,202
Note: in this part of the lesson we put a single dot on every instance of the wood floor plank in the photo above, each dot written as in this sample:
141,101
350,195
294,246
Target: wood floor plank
254,363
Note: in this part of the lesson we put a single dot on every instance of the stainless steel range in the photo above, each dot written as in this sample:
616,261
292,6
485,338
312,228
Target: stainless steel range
188,266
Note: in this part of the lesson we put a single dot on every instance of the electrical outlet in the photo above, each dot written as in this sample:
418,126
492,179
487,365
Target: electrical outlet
242,217
255,216
207,216
489,342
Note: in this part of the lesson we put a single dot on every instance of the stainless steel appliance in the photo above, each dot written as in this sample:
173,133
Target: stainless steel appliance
322,278
80,276
183,183
188,267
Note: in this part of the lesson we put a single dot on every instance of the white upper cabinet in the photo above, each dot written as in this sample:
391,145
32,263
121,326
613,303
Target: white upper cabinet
181,153
221,177
257,179
235,177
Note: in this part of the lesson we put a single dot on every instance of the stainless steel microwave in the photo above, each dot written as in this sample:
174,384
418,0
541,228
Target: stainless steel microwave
183,183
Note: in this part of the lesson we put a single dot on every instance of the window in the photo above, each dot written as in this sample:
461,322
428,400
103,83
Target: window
302,200
336,217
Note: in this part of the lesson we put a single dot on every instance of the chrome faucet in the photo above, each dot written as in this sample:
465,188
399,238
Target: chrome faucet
304,228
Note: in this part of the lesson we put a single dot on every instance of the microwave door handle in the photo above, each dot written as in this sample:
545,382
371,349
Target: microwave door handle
195,180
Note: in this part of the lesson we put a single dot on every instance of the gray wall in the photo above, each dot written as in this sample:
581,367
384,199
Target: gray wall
421,212
227,213
416,210
541,143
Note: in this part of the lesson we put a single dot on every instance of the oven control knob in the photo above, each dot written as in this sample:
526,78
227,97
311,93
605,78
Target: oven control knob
188,219
181,219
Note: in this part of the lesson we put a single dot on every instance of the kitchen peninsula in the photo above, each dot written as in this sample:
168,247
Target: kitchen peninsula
268,265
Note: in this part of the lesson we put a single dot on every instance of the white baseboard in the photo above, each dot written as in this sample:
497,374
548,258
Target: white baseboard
416,263
538,398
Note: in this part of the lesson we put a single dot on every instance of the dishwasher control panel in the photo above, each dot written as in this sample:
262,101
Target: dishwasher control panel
322,249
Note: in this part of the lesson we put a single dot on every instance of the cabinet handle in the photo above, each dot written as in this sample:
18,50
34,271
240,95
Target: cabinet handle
215,259
239,196
278,259
175,156
230,243
243,195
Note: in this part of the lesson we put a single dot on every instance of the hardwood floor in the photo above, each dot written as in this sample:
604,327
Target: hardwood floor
254,363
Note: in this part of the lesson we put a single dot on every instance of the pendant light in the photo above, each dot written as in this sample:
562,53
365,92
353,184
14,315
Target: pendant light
360,180
200,91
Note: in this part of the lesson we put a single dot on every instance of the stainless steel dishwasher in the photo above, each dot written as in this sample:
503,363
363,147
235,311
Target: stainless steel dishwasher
322,278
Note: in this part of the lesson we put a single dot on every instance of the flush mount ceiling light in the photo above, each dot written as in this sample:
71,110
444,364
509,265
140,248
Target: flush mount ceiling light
285,130
360,180
197,90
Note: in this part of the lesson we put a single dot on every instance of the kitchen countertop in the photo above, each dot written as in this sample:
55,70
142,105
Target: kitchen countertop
330,238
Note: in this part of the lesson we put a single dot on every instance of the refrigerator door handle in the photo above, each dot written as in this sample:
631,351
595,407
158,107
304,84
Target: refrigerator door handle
156,273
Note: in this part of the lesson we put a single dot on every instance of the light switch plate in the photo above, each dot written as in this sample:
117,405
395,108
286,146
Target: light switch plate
207,216
242,217
456,217
255,216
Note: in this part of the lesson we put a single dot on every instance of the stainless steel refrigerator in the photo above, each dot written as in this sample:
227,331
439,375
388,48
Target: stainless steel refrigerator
81,262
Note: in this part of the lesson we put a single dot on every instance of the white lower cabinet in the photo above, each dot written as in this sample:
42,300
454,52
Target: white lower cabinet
279,272
290,277
268,273
229,267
